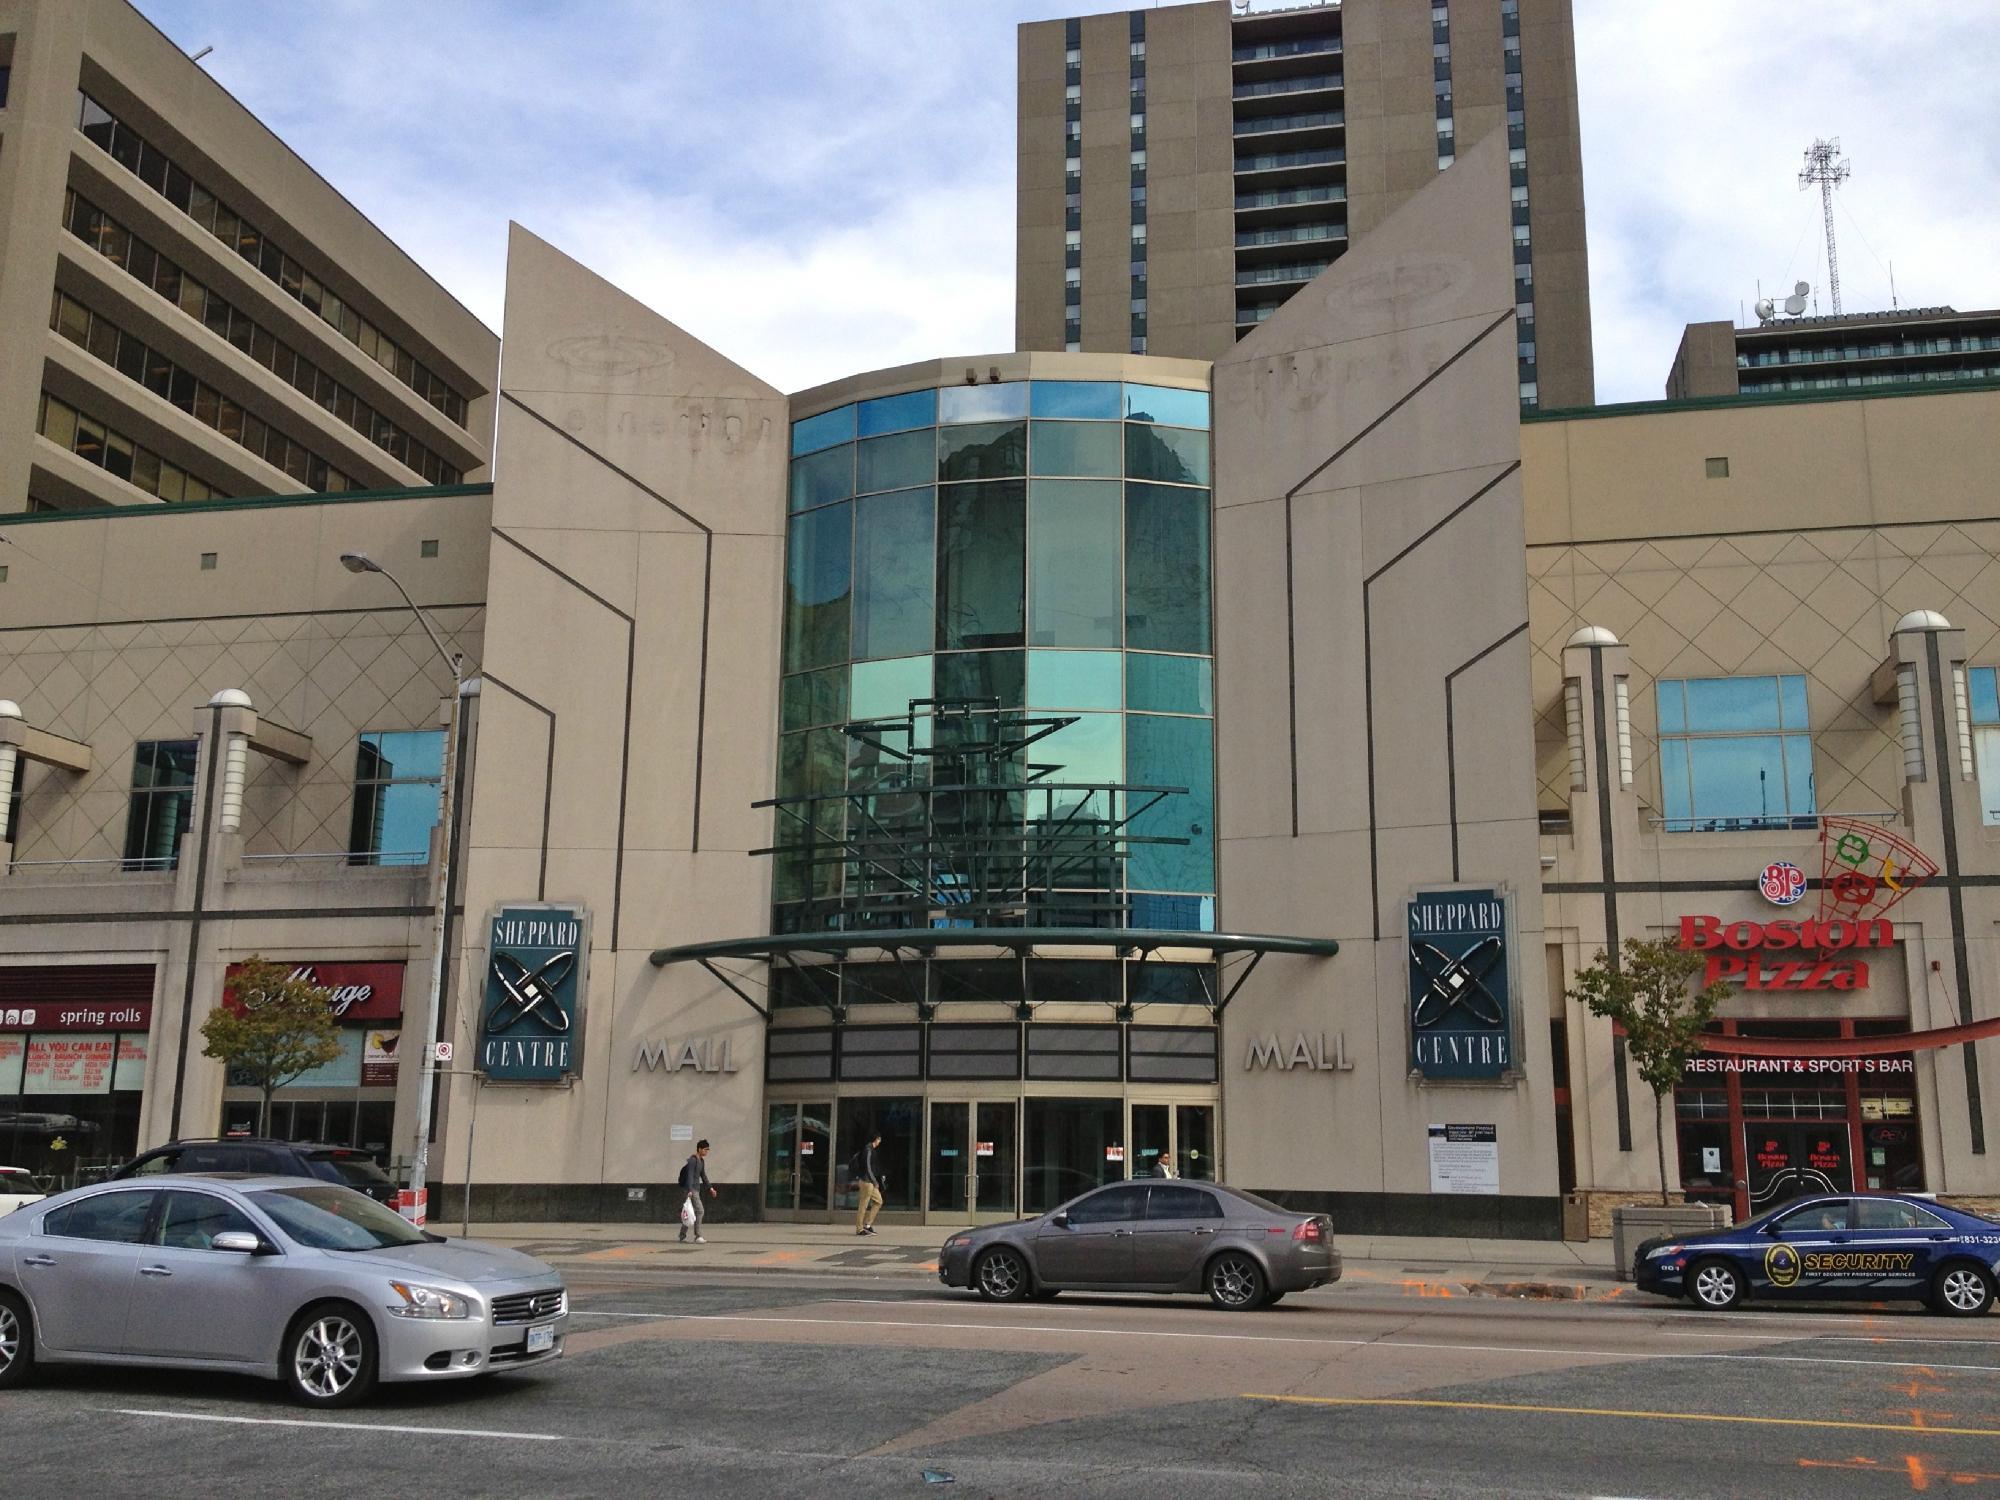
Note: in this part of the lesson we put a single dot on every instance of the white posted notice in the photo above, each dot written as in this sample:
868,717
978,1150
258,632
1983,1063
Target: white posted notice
1465,1159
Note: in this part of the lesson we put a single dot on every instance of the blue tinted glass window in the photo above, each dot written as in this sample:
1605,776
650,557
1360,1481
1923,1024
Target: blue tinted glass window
895,573
1089,750
823,477
814,698
1723,765
983,403
1169,455
1169,684
1720,705
1985,695
895,413
982,573
999,675
1085,399
1166,568
892,463
1086,448
1073,562
884,689
986,450
823,431
396,780
1074,679
1174,752
818,559
1158,403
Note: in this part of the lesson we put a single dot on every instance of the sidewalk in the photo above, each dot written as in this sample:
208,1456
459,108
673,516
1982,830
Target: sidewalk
1551,1270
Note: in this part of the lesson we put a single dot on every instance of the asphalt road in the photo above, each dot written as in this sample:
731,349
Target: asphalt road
718,1385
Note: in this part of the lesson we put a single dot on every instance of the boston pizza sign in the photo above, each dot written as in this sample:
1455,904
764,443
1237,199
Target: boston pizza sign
1810,954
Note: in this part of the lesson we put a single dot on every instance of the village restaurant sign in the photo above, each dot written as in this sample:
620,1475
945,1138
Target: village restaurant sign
1787,955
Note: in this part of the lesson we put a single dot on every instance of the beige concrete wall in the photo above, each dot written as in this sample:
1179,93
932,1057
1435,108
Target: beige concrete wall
112,632
1038,187
1368,522
1705,363
640,513
143,77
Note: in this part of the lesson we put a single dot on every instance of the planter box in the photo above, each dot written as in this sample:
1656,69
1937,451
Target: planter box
1633,1225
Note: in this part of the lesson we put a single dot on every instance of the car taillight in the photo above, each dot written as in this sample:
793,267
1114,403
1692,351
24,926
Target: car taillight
1309,1230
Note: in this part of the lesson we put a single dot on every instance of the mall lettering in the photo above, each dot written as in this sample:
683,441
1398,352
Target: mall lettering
1736,950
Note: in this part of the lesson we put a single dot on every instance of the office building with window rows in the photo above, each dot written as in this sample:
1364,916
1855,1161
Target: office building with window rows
1064,764
214,319
1183,171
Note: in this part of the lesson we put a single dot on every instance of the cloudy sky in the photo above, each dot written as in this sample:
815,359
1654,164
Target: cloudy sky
819,188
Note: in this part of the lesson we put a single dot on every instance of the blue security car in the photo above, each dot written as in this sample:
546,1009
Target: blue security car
1876,1246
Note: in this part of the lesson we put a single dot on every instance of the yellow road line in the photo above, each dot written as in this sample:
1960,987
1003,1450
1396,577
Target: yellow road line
1654,1416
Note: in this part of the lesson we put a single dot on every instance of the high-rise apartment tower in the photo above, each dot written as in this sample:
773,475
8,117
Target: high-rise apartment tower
1184,170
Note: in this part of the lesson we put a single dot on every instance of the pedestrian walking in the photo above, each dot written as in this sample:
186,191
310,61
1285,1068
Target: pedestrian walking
867,1186
694,1181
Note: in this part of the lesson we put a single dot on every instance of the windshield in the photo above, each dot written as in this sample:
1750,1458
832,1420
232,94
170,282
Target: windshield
357,1170
326,1217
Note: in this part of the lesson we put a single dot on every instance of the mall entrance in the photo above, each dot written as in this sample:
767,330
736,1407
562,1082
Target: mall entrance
966,1159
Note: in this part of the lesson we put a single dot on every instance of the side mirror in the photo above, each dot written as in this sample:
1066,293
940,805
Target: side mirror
237,1242
1060,1221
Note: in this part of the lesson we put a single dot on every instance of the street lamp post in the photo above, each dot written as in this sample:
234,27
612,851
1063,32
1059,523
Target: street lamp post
433,1018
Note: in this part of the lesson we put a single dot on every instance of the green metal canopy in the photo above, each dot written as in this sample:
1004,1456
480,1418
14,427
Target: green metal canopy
923,943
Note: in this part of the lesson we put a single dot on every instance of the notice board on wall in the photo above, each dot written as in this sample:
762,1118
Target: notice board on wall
1465,1158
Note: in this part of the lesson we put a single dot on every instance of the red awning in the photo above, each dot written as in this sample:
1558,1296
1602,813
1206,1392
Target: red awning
1854,1046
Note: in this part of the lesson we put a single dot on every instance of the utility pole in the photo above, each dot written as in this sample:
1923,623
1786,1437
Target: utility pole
1823,168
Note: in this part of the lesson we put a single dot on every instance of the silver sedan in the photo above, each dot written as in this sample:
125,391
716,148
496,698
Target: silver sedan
1153,1236
305,1282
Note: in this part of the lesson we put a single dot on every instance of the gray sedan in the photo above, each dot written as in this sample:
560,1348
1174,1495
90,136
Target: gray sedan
306,1282
1159,1236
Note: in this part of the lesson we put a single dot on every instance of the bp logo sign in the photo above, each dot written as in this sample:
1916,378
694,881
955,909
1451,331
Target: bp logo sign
531,1011
1460,1017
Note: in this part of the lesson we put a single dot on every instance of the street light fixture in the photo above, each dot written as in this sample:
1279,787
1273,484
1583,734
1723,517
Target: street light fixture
433,1018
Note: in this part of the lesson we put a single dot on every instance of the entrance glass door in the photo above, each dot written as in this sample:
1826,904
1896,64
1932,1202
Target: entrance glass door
797,1158
1794,1159
993,1160
951,1159
1152,1143
1194,1141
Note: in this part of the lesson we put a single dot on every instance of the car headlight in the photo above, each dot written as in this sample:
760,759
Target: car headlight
958,1242
427,1302
1665,1250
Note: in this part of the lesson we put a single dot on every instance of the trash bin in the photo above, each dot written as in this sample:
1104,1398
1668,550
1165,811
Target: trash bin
1576,1216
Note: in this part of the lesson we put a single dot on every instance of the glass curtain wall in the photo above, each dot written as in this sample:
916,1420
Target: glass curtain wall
1043,544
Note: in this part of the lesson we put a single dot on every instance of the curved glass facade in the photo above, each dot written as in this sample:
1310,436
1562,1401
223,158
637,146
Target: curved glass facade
1034,546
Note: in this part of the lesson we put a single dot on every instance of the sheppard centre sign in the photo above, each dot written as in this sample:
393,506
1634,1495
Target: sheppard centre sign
531,1014
1460,1018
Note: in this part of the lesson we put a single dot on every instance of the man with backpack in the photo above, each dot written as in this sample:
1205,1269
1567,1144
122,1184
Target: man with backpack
867,1185
694,1178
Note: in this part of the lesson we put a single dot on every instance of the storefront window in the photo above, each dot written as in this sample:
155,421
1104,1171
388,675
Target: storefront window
1735,754
1070,1147
69,1102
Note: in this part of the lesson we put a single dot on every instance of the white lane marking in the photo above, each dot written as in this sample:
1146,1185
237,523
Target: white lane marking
1265,1338
466,1432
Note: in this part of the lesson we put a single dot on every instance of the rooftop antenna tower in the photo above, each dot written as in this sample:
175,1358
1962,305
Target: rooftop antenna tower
1824,168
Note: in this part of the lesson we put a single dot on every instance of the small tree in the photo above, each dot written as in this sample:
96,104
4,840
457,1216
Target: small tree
278,1029
1648,998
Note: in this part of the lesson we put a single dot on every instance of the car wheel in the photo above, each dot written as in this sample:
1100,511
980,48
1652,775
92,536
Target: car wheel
17,1341
1715,1284
329,1357
1001,1276
1273,1299
1961,1290
1235,1281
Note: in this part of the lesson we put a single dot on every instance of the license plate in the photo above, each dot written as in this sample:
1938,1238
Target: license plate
542,1339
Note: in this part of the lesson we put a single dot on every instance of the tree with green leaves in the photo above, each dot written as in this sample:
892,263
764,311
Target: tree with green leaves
272,1028
1648,997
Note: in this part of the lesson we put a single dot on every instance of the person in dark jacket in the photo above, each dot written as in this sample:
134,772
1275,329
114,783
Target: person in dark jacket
694,1181
867,1187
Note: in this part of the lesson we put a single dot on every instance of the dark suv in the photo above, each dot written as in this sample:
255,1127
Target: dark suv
247,1153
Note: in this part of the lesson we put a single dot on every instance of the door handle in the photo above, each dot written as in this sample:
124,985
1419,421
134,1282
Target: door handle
1121,1234
1204,1231
1838,1239
38,1260
154,1271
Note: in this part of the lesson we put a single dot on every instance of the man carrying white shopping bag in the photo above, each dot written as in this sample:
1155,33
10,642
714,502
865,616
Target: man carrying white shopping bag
694,1180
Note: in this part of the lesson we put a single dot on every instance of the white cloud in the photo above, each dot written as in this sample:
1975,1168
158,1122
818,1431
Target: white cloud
822,189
